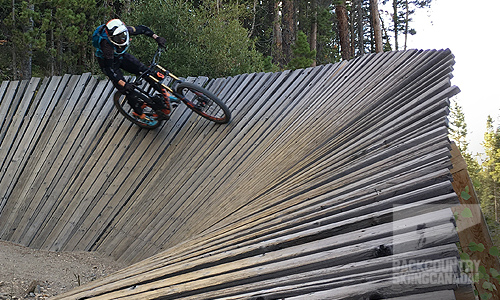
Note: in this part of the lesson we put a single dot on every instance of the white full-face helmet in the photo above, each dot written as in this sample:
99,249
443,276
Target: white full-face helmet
117,33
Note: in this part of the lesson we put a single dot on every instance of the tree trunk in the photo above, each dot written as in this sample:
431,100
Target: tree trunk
254,12
376,26
277,44
343,28
27,57
14,58
288,29
313,38
407,15
361,40
396,23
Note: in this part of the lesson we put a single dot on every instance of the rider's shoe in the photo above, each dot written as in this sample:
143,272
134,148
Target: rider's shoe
143,118
174,99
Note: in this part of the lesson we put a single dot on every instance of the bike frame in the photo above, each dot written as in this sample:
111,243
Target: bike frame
161,74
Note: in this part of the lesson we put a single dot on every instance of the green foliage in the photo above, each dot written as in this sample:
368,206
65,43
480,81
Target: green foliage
200,41
471,261
303,57
213,38
402,13
55,33
465,194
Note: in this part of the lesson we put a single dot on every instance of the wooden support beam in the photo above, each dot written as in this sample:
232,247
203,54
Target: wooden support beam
472,229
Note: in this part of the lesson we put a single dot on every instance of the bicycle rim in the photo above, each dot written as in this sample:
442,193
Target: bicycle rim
204,103
126,110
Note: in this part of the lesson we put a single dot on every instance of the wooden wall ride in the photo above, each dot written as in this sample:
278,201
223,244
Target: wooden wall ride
332,180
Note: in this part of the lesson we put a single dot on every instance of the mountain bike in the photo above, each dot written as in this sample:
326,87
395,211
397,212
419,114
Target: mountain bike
155,85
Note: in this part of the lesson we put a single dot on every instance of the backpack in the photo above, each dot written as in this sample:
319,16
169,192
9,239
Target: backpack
97,37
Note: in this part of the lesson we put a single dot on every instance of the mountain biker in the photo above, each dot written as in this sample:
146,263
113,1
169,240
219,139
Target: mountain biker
112,41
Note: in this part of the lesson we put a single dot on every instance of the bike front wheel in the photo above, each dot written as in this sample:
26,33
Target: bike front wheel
204,103
126,110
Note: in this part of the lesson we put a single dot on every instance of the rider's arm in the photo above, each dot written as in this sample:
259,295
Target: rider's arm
107,64
141,29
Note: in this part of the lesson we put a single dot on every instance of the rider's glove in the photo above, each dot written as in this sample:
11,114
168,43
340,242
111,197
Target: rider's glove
161,41
129,87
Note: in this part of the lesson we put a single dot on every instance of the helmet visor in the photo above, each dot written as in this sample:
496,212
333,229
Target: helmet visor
120,39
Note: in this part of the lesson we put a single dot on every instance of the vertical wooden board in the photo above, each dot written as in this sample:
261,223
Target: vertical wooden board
3,88
83,136
9,105
77,234
11,139
95,135
54,156
67,158
15,106
187,142
47,143
19,188
19,157
239,78
78,194
14,133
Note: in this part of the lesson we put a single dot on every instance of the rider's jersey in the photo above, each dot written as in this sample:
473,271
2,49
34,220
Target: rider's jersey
105,49
108,53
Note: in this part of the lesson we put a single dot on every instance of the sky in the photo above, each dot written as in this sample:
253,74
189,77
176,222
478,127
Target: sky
469,29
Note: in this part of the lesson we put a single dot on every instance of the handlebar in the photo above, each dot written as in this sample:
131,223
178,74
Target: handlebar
157,55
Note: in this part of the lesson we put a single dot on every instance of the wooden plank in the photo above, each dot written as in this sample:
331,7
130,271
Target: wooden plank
379,288
174,285
176,124
95,134
22,186
169,268
9,140
67,159
18,158
53,156
3,88
288,286
472,229
10,100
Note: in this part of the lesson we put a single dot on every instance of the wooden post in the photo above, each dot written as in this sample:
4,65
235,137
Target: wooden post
472,229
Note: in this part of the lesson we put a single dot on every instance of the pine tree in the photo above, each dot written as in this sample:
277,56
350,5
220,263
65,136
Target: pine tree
490,174
303,56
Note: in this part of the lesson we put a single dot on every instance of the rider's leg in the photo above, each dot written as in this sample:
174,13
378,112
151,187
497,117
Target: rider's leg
114,71
131,64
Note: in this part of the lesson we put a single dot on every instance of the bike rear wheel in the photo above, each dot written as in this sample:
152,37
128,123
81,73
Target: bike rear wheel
126,110
204,103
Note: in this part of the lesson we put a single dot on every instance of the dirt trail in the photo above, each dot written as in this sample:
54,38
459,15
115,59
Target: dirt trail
36,274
